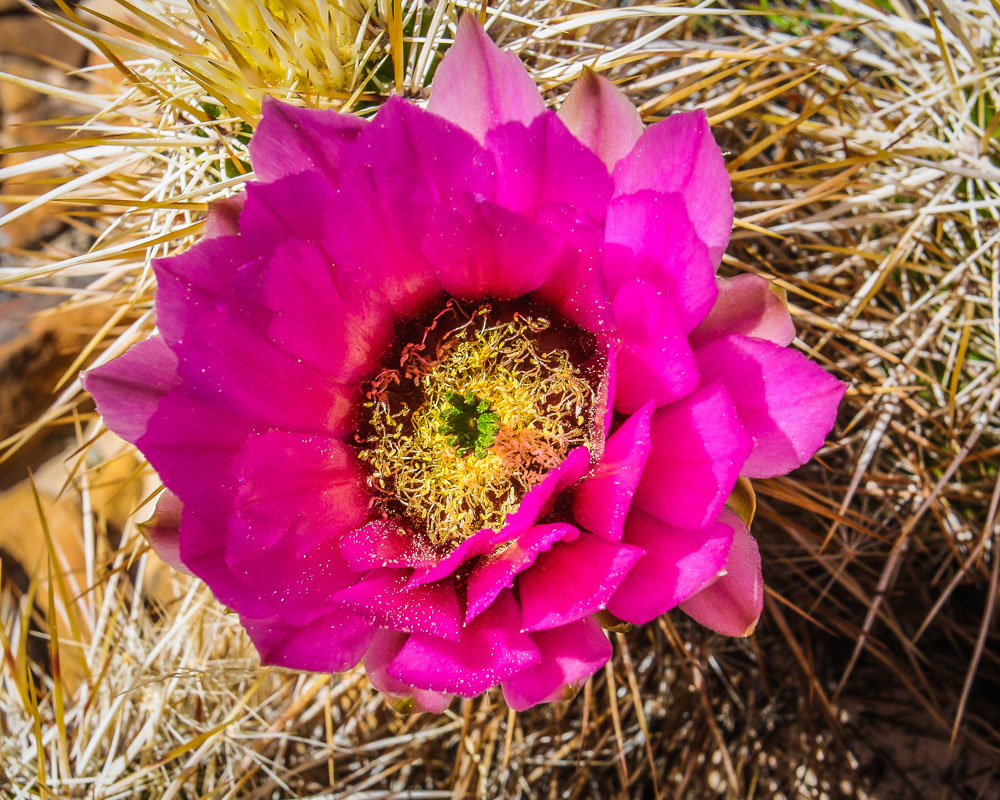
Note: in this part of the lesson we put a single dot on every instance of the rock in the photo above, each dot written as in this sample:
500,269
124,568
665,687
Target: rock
31,363
29,35
32,48
25,544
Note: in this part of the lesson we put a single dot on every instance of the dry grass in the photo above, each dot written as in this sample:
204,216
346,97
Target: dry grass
862,141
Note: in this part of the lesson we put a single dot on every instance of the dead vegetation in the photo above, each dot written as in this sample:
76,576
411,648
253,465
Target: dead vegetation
862,145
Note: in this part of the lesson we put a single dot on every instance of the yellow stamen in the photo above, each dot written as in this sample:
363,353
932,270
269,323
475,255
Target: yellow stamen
543,408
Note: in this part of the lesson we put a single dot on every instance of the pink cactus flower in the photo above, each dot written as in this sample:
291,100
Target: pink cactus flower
444,387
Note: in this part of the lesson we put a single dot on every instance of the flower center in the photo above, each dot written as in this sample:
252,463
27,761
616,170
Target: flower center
479,409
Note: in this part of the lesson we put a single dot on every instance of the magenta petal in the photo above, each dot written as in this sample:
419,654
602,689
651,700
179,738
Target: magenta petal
139,397
182,431
265,221
570,655
223,354
127,389
382,650
653,361
573,580
732,604
224,357
485,250
533,504
410,157
396,266
479,543
602,499
786,402
600,115
749,306
575,285
650,236
311,486
491,649
295,585
680,155
289,139
255,578
202,549
162,530
405,165
678,563
497,573
699,446
321,316
384,544
226,363
383,598
223,218
543,165
478,86
333,643
192,283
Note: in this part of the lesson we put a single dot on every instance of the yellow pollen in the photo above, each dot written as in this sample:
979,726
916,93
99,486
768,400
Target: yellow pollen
543,408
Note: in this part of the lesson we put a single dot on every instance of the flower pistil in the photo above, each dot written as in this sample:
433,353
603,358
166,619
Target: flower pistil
469,424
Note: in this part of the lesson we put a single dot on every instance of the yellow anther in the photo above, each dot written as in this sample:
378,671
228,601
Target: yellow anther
541,402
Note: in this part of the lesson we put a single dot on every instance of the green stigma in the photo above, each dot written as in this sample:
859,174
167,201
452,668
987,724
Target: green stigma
469,424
